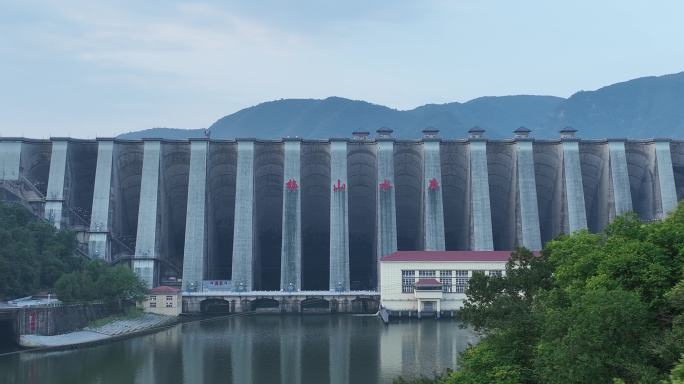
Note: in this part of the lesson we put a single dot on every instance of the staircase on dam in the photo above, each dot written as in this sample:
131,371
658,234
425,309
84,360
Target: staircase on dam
295,215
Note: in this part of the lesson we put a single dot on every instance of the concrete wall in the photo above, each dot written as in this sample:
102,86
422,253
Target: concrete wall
527,197
243,241
147,239
386,208
125,200
50,321
386,212
221,191
594,162
174,173
315,215
98,237
268,197
79,179
643,179
619,179
456,193
677,152
279,302
362,197
236,220
502,177
54,199
339,218
481,213
35,163
409,195
666,180
574,189
433,201
194,254
291,248
548,175
10,158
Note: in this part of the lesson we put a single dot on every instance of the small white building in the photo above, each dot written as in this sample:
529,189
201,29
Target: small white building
415,283
163,300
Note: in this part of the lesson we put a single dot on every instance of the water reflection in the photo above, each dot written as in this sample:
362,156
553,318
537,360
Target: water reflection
255,349
338,350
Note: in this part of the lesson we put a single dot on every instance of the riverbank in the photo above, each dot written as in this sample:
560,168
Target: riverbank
98,333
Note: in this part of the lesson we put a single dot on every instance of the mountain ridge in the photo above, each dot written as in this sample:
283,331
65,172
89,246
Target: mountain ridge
638,108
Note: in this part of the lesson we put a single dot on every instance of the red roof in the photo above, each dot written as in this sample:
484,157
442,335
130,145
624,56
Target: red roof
164,290
428,283
448,256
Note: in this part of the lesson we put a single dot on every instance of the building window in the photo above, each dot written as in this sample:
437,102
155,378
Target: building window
426,273
445,279
169,304
153,298
408,281
460,281
494,273
169,297
153,304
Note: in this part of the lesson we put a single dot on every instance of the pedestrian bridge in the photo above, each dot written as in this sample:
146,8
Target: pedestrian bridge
281,302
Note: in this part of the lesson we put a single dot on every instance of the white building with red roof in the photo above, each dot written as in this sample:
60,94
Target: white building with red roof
420,283
163,300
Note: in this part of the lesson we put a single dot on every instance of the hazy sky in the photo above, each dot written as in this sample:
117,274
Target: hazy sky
88,68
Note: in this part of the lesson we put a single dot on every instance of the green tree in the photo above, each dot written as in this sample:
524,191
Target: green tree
677,374
497,302
669,346
33,254
100,281
596,338
119,283
503,307
489,363
605,307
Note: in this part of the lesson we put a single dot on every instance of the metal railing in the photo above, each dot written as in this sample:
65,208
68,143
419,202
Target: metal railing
283,293
32,186
128,247
162,260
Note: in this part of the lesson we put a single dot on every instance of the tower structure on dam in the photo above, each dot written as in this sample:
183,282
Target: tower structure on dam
339,217
317,215
386,210
291,249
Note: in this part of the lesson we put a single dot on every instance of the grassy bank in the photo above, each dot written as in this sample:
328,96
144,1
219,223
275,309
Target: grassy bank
129,314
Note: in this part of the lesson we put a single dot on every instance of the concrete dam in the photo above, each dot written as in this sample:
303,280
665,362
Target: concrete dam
316,215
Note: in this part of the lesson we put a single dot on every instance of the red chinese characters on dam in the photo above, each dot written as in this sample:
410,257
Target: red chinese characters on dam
385,185
292,185
339,187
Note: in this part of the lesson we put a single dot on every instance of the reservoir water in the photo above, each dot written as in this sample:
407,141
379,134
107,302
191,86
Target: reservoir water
255,349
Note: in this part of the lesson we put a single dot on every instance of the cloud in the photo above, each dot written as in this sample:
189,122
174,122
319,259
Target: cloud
243,51
191,42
